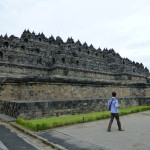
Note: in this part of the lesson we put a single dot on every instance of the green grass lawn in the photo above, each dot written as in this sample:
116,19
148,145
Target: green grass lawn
48,123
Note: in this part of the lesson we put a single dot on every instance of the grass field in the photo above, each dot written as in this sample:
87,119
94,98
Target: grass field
48,123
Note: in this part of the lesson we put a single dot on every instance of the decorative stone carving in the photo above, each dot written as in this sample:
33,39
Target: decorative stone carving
50,53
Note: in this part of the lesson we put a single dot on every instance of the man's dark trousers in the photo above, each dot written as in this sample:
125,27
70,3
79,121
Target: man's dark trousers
114,115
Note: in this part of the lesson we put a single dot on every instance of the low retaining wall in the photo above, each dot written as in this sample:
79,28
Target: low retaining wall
41,109
64,88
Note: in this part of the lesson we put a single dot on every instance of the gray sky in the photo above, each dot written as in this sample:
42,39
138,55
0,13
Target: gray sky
123,25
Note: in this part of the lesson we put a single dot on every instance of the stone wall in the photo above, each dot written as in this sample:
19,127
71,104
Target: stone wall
15,70
52,96
41,109
72,72
60,88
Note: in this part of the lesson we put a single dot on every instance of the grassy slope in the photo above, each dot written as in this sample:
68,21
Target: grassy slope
48,123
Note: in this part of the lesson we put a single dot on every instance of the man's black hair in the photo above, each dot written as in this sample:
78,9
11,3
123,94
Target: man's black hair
114,94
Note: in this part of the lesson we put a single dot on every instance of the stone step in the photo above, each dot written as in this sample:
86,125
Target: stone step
7,118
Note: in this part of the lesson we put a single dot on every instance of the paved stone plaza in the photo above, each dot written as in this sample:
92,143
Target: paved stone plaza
12,139
85,136
93,135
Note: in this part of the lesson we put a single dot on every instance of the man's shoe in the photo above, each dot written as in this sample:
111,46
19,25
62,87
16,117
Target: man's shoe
108,130
120,129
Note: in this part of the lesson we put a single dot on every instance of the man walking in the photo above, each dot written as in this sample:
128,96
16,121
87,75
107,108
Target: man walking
113,107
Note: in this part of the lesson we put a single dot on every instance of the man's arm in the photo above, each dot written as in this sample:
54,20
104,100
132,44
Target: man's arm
117,104
108,103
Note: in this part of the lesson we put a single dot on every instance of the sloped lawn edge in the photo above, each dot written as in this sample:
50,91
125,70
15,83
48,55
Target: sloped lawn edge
48,123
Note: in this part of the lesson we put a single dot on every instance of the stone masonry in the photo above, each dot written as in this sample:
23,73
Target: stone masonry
54,88
37,55
40,109
42,77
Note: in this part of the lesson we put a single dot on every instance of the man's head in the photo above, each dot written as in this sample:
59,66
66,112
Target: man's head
114,94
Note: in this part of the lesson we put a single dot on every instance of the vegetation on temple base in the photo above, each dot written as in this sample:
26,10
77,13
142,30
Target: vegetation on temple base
48,123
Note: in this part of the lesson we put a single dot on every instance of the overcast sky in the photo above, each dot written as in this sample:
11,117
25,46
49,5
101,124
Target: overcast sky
123,25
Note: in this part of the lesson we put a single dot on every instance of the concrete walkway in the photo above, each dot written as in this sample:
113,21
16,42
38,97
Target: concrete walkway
93,135
11,141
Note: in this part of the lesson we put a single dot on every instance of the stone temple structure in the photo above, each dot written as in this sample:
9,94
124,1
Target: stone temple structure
42,77
37,55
